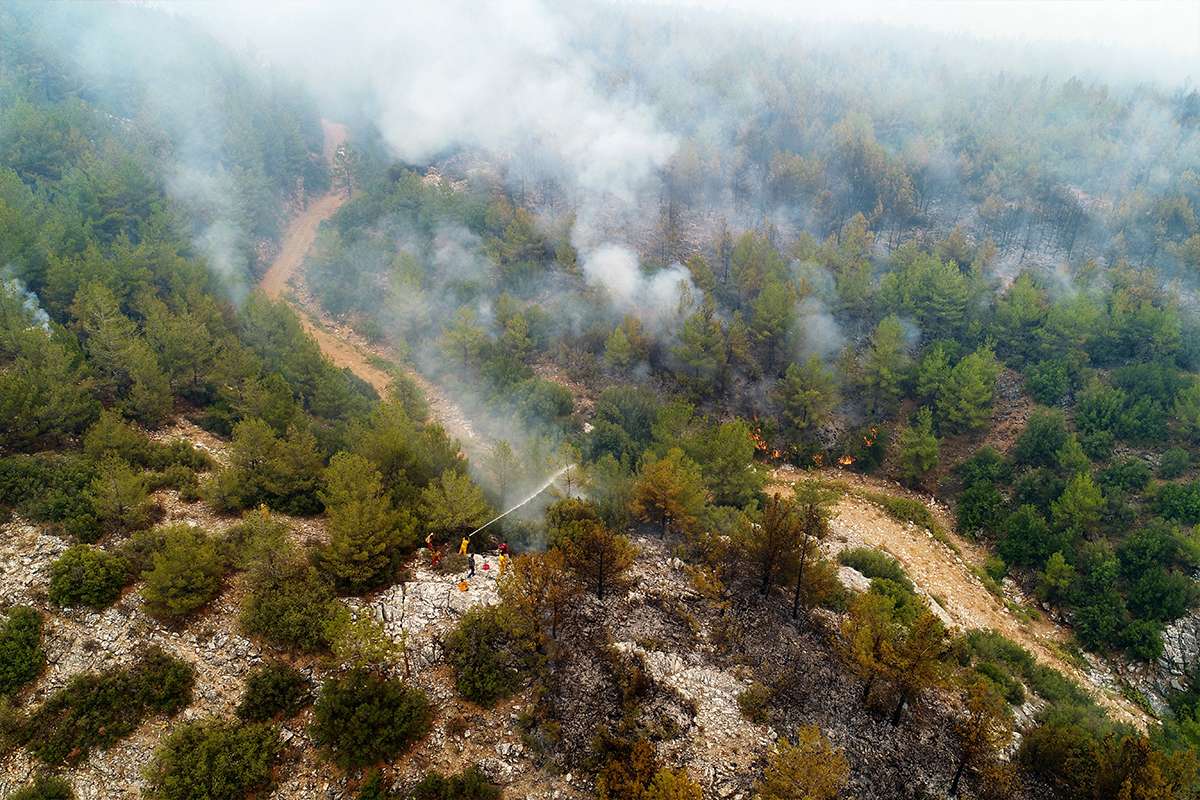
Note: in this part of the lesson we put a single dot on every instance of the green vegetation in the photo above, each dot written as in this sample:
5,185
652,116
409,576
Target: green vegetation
274,691
45,787
470,784
875,564
185,572
21,656
85,575
213,760
94,711
485,651
361,718
289,604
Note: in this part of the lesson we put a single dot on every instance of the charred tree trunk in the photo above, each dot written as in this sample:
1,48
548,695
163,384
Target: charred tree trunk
958,773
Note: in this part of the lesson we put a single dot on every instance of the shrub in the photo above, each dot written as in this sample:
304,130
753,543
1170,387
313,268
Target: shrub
274,691
1047,381
51,489
258,533
1174,463
482,651
1129,474
185,574
120,497
289,605
361,718
875,564
113,437
21,656
46,787
1179,502
87,576
97,710
175,476
470,784
1044,435
979,510
213,760
752,702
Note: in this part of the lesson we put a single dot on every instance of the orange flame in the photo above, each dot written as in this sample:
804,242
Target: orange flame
846,460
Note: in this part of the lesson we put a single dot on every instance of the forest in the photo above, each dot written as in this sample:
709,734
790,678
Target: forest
964,298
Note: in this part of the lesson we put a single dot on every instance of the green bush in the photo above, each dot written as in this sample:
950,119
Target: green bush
175,476
1173,463
120,497
52,489
874,563
258,533
21,657
361,718
482,650
289,605
1129,474
97,710
274,691
185,573
46,787
113,437
1012,689
752,702
214,760
470,784
1047,381
87,576
1179,502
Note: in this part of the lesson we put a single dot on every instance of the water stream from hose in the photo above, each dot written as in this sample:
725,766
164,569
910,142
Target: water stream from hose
540,489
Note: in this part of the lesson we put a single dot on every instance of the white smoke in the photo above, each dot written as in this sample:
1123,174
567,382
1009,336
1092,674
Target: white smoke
502,78
29,301
652,298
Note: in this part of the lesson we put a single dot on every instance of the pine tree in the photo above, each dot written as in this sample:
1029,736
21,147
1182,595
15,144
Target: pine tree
669,491
810,769
741,351
598,555
773,544
367,535
887,366
869,633
914,664
814,508
918,448
966,403
701,350
120,498
806,395
1080,507
983,728
618,352
538,590
453,504
772,319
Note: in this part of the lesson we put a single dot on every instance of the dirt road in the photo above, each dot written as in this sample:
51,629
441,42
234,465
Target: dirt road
285,280
946,577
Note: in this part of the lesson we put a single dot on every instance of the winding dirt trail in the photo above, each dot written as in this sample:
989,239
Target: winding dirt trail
284,280
947,578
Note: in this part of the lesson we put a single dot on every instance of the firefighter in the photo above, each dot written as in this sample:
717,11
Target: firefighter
462,546
501,563
470,565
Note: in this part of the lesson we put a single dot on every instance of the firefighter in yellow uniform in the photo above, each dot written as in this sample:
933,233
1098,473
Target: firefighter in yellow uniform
462,546
501,563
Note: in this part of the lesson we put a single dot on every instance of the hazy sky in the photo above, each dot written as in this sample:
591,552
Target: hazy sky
1162,36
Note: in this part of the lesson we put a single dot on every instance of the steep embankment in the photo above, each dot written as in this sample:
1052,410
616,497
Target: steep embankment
284,280
949,578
